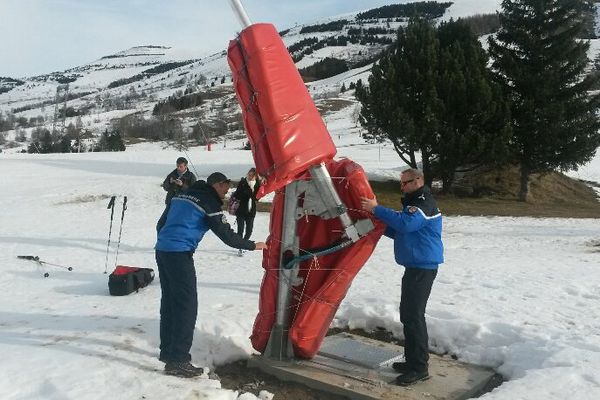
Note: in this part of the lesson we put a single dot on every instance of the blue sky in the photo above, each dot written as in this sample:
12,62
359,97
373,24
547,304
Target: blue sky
42,36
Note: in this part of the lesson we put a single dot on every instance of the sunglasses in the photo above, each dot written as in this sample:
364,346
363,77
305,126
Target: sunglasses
402,183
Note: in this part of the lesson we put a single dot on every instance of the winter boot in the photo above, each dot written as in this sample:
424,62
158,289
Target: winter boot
401,367
412,377
183,369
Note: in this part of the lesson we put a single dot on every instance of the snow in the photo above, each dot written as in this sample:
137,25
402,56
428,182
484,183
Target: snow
519,295
465,8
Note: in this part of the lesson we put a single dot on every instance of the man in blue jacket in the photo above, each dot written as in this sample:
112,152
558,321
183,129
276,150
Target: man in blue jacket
180,228
417,234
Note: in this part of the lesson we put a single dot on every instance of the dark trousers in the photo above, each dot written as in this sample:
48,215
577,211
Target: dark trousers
178,304
248,222
416,287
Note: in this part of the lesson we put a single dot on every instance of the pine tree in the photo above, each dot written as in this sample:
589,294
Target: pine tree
433,95
401,99
62,145
115,142
474,117
46,142
541,64
103,143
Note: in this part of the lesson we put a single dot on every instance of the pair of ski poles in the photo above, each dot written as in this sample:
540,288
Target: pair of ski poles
111,207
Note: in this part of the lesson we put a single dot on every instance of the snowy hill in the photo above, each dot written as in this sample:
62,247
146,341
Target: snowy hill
133,81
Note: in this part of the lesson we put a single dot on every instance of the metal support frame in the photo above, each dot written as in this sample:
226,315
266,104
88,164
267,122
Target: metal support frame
322,200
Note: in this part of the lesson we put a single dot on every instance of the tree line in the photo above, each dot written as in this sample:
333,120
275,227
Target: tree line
434,94
310,45
159,69
422,9
44,141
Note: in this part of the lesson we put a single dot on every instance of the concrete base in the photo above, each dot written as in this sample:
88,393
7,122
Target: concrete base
360,369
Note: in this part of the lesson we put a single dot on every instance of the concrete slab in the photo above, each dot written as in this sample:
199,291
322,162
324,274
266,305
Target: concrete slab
360,369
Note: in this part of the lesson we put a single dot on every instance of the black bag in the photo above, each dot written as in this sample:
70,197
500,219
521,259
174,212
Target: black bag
124,280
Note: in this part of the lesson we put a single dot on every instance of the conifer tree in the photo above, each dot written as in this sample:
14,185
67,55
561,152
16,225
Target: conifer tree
45,145
541,65
401,99
433,94
115,142
474,117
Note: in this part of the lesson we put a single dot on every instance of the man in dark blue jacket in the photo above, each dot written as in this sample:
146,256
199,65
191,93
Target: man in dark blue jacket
417,234
179,180
180,228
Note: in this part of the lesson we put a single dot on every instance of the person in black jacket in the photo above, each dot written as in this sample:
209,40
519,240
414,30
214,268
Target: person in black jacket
246,195
179,180
181,227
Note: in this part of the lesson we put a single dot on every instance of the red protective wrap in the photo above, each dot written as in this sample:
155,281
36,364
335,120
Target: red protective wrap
326,278
285,130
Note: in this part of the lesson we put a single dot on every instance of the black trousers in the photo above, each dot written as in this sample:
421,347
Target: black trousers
246,221
416,287
178,304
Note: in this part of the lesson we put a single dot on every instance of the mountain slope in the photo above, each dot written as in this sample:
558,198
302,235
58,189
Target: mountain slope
132,82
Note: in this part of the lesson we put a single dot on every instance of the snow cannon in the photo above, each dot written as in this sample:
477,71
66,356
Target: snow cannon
284,127
317,243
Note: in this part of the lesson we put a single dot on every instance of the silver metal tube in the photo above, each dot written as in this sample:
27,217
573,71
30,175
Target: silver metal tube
279,346
330,197
288,243
240,13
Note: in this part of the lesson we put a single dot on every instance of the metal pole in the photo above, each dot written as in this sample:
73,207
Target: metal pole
331,199
240,13
279,347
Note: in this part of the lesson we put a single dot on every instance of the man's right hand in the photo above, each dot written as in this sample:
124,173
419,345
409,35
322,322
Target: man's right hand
368,204
261,246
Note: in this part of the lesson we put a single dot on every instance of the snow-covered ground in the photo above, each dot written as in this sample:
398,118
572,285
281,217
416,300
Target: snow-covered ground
521,295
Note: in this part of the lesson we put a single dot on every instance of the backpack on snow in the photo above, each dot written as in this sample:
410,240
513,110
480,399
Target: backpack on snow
124,280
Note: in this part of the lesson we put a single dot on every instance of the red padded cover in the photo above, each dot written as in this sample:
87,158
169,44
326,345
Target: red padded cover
328,278
285,130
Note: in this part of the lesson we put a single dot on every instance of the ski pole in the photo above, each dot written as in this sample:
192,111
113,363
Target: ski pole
40,262
111,205
36,259
121,228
